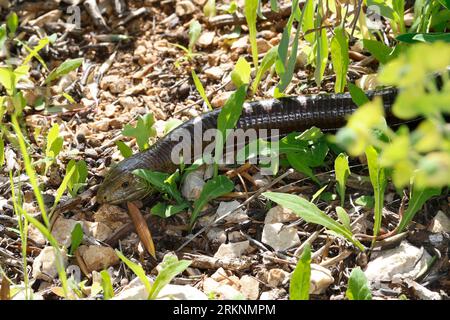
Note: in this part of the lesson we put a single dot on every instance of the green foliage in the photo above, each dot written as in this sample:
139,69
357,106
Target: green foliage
378,179
365,201
63,69
358,289
195,29
321,46
209,9
216,187
312,214
340,59
143,131
2,151
164,210
125,150
300,281
108,291
77,237
169,268
416,202
267,62
357,94
250,12
12,23
424,37
54,145
241,73
200,89
379,50
171,124
137,270
342,172
78,178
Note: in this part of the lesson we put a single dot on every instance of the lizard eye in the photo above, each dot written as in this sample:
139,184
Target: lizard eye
125,184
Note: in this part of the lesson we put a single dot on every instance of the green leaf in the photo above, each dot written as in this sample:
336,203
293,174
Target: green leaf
212,189
379,181
358,289
170,267
366,201
250,12
288,73
379,50
342,171
241,73
62,188
274,5
343,217
357,94
137,270
171,124
340,59
78,179
209,9
77,237
200,89
108,291
267,62
418,199
12,22
165,211
195,29
63,69
161,181
424,37
321,55
124,149
308,20
227,119
3,36
2,152
33,53
318,193
382,5
301,277
54,145
310,213
142,132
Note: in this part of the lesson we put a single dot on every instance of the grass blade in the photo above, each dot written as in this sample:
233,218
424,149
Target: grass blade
301,277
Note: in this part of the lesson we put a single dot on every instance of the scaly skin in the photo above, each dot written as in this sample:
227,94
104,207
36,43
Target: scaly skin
325,111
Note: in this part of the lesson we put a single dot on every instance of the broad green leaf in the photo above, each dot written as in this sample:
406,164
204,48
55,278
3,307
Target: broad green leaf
321,55
108,291
288,73
357,94
201,89
209,9
63,69
124,149
163,182
418,199
77,237
358,289
212,189
379,181
342,172
308,20
382,5
310,213
170,267
195,29
343,217
274,5
54,145
165,211
241,73
250,12
298,164
12,22
366,201
8,80
267,62
379,50
142,132
340,59
301,277
445,3
227,119
424,37
171,124
2,35
78,179
137,270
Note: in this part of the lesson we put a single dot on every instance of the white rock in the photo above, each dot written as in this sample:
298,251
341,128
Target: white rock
206,38
184,7
193,185
220,275
237,216
97,230
215,73
178,292
276,277
227,292
132,293
279,214
160,126
62,230
241,43
219,100
35,235
405,261
279,237
440,223
249,287
97,257
273,294
421,292
217,235
232,250
320,279
44,266
21,296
